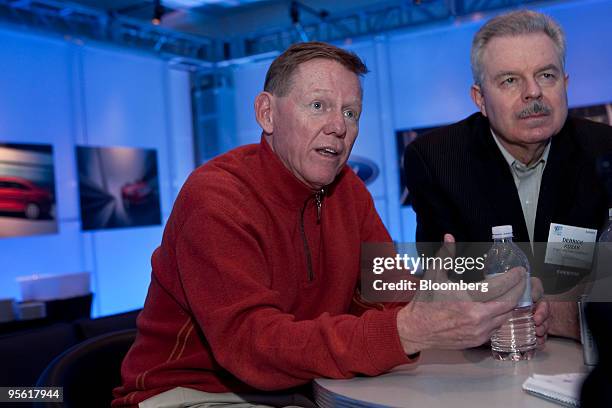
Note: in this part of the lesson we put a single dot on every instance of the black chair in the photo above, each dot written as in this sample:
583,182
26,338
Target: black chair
87,328
88,371
26,353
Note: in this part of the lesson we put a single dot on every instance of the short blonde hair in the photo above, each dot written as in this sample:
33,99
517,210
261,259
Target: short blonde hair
280,73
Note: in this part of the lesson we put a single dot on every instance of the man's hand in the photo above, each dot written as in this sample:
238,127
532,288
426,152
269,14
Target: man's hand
564,318
460,319
541,311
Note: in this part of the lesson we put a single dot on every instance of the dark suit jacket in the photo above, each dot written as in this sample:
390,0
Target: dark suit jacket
460,182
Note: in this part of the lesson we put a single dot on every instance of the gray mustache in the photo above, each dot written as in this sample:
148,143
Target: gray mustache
535,108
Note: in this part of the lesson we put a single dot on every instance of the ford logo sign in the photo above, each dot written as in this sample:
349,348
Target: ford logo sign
365,169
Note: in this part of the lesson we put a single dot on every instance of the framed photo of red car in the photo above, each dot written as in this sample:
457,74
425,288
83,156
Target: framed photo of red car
118,187
27,190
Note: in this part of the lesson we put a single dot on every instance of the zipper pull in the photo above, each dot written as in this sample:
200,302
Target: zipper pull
318,202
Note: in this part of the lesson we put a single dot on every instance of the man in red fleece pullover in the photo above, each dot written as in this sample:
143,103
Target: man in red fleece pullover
252,283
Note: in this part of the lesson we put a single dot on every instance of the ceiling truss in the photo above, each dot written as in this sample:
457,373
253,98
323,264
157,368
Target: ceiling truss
80,22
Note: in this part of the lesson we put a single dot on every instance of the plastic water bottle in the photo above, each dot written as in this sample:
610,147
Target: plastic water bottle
604,247
516,339
606,234
604,259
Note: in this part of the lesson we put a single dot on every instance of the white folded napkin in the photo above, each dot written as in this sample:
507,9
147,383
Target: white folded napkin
564,389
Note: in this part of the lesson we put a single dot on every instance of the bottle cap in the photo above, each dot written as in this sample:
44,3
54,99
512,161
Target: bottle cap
502,231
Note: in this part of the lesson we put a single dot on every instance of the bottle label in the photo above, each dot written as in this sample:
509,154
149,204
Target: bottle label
526,299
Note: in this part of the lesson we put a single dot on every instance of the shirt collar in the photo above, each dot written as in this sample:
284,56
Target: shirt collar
513,162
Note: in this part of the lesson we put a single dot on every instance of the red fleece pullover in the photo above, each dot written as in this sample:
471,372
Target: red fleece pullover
252,283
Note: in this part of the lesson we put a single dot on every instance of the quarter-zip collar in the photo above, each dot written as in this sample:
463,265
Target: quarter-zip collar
282,186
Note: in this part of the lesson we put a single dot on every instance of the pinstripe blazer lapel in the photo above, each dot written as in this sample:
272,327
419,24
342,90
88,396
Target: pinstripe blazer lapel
559,182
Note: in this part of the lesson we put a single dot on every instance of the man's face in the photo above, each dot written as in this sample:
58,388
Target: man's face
524,88
315,124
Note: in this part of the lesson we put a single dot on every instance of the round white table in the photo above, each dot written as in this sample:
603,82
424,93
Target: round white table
454,379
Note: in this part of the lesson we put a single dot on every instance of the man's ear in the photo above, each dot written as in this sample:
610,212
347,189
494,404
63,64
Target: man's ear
263,111
478,98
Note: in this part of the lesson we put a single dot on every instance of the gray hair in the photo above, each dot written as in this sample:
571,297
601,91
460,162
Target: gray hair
513,24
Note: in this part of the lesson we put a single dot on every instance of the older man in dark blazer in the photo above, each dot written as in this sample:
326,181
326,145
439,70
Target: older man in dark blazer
521,160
